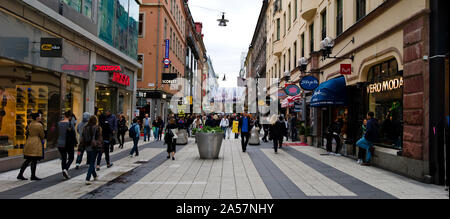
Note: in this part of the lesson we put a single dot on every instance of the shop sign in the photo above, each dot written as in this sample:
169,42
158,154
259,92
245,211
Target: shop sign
292,90
108,68
120,78
346,69
75,68
309,83
388,85
166,60
51,47
169,78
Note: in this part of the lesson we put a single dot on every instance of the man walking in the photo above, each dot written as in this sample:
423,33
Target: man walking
245,126
146,127
334,131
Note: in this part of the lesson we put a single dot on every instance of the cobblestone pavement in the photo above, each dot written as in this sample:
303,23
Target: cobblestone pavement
293,173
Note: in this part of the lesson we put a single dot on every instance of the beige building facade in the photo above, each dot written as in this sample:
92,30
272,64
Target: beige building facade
387,43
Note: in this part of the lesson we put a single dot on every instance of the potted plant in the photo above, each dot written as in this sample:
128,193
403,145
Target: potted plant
302,132
209,141
308,135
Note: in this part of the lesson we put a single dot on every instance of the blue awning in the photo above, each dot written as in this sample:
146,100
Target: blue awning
332,92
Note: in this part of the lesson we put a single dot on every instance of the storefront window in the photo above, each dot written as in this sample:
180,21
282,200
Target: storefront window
125,105
24,91
104,99
75,97
385,92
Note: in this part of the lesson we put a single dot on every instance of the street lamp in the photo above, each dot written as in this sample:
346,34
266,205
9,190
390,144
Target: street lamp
287,75
326,46
302,64
223,21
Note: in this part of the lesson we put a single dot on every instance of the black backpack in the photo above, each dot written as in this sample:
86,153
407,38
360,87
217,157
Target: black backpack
132,132
168,136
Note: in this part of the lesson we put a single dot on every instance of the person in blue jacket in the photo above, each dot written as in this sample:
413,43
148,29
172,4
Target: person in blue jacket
136,133
371,136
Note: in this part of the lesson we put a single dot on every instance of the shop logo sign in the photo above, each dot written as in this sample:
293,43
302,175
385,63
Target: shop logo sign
309,83
51,47
388,85
108,68
292,90
346,69
120,78
169,78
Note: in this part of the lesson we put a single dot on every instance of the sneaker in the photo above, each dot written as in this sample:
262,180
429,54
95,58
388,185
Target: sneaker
77,166
110,165
65,174
330,153
87,183
173,158
359,161
337,155
131,156
98,168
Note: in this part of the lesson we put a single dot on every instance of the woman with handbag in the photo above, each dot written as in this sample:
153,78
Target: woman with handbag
66,142
33,148
91,142
170,138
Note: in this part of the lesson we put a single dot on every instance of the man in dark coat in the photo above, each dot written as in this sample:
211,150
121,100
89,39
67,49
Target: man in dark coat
245,126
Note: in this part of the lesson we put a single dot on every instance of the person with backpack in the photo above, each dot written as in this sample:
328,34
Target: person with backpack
107,134
134,134
91,141
66,142
80,153
371,136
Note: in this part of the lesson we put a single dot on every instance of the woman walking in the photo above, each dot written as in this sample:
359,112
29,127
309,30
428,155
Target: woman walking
80,127
134,134
276,132
170,138
122,130
33,148
91,142
161,127
224,123
66,142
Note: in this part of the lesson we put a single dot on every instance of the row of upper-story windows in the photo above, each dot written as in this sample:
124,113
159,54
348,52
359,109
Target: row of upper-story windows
177,13
283,28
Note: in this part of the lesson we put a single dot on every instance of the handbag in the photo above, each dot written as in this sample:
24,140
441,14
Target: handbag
71,137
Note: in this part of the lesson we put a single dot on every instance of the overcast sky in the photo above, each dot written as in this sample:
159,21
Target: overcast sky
226,44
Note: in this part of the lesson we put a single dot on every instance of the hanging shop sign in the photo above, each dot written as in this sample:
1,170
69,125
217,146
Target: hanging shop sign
121,79
51,47
346,69
292,90
107,68
387,85
166,59
309,83
169,78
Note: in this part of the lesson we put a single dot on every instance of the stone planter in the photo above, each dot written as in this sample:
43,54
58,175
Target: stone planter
209,144
309,140
302,139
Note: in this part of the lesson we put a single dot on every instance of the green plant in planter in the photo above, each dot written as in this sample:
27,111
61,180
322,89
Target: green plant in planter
302,130
207,129
308,131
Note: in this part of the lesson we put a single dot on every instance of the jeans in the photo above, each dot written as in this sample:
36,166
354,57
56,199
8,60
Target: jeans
80,157
330,141
67,157
135,150
245,137
146,132
277,143
91,161
366,145
224,129
105,150
155,133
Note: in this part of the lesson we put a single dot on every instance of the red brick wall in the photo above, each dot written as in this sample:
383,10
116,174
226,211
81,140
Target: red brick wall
416,88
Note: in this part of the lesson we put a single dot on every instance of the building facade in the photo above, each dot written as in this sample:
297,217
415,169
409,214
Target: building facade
76,55
388,45
162,36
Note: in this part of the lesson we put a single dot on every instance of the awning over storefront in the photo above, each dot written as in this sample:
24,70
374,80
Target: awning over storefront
332,92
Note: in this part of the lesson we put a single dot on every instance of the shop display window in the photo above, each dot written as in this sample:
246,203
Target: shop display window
74,97
25,91
386,101
104,99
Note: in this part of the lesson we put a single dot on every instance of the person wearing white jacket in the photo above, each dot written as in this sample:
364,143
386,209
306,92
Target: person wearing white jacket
224,124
